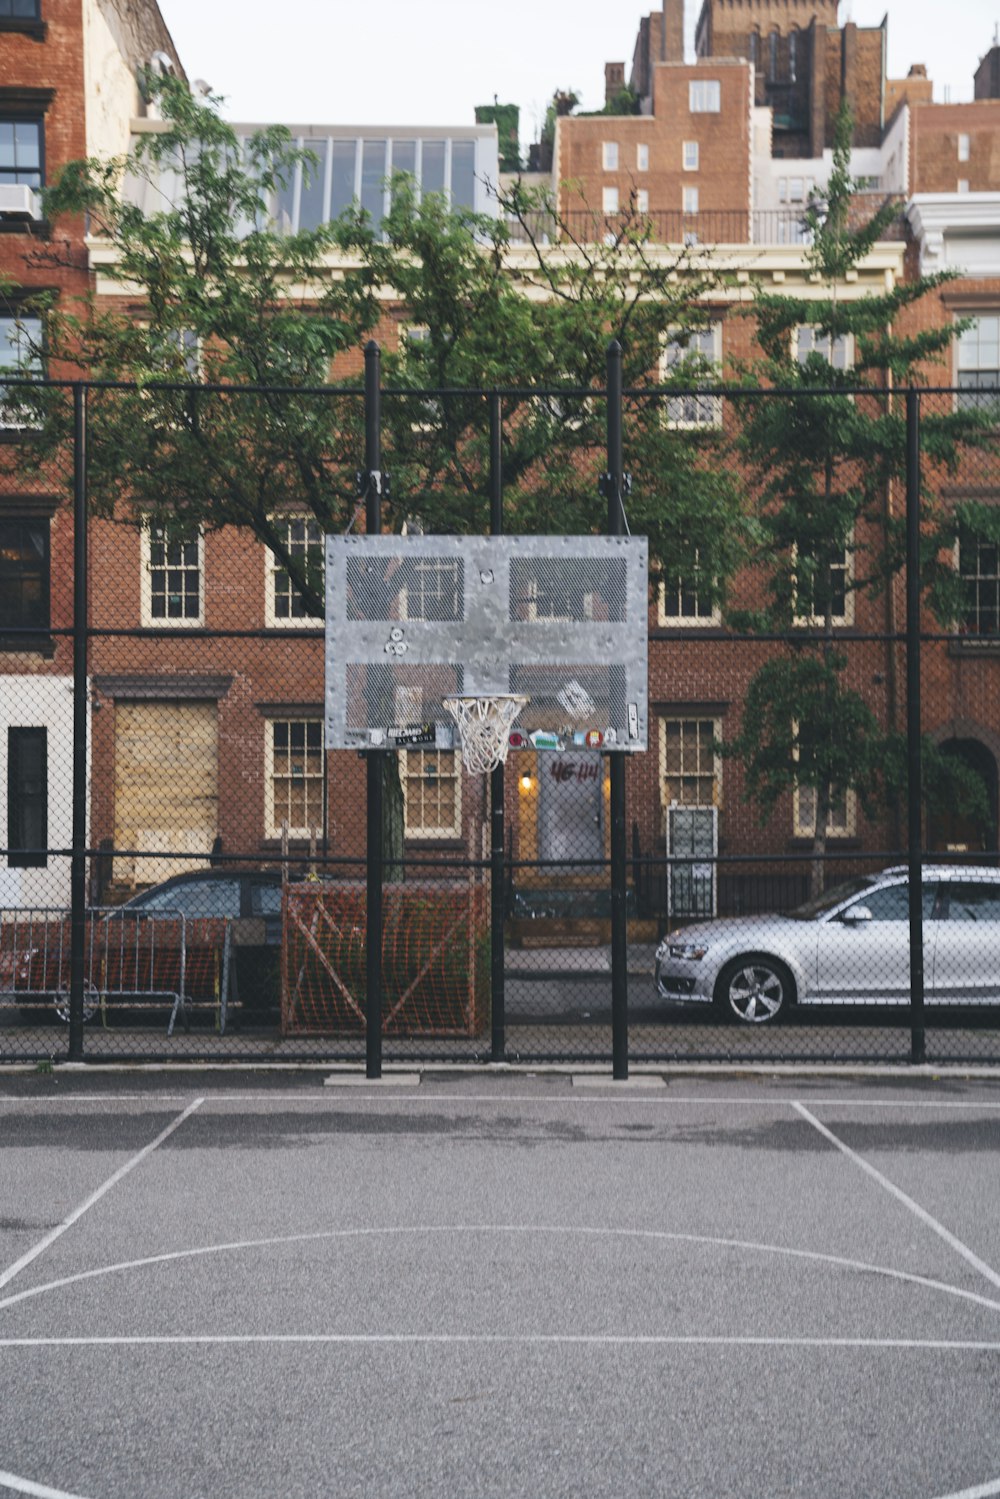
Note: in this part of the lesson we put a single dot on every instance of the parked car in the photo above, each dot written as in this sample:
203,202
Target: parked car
849,946
195,935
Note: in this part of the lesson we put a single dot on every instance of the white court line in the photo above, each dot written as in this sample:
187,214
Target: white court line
914,1207
32,1254
428,1230
501,1340
332,1101
38,1490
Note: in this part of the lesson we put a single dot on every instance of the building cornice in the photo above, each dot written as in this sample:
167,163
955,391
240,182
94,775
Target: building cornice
939,219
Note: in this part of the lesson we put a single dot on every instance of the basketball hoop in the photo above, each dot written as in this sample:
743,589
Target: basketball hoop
484,724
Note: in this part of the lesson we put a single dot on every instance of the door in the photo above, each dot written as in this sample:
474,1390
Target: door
166,787
570,802
869,960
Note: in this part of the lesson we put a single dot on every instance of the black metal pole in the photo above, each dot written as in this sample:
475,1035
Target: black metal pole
616,764
913,727
374,759
81,706
498,998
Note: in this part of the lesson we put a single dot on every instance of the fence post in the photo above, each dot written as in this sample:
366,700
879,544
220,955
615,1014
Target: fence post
498,1013
913,727
616,762
374,763
81,709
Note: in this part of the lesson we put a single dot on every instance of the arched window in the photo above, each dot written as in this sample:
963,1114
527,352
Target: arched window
772,61
754,47
793,54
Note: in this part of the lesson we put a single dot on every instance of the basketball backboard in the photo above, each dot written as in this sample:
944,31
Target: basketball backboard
412,620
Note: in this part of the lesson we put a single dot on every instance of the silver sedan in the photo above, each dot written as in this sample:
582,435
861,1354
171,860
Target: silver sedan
849,946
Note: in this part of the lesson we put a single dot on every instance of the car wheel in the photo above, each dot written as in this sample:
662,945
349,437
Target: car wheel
755,990
91,999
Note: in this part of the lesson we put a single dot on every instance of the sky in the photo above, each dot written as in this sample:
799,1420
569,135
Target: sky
430,62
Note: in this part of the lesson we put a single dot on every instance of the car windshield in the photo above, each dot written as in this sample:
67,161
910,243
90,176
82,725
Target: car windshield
820,904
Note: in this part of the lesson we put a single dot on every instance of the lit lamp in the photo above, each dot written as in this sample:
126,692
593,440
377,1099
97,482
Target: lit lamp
525,781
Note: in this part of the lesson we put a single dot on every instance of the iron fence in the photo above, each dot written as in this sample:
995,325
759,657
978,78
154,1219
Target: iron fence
804,865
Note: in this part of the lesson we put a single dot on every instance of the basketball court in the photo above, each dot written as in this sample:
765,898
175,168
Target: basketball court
498,1283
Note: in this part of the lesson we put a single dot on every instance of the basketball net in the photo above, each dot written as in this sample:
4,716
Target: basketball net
484,725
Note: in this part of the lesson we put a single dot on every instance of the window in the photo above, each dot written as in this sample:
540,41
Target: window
824,584
755,47
20,358
284,604
841,819
24,578
963,185
687,358
704,96
838,351
642,158
970,901
642,200
979,570
690,200
21,151
609,200
432,590
171,579
690,768
772,55
295,777
793,55
690,156
27,798
964,144
14,11
684,601
979,364
432,793
609,156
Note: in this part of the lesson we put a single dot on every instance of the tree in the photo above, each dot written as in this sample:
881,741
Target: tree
824,458
230,416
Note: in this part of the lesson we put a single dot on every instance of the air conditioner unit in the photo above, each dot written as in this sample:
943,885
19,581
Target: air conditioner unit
692,870
18,201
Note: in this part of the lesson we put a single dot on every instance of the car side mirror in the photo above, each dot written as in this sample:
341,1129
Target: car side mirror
855,914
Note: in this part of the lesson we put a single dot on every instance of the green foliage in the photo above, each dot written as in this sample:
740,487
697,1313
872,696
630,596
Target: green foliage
188,216
507,118
824,455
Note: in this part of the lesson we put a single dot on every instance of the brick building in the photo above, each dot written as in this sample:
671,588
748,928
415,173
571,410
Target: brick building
203,740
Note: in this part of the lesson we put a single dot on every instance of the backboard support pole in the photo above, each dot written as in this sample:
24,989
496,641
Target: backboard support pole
374,760
616,768
498,1015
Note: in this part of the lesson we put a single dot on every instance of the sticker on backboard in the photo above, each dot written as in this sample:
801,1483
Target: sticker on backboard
412,733
543,739
517,740
593,739
633,720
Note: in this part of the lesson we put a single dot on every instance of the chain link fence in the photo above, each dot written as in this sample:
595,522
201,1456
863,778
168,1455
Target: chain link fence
187,873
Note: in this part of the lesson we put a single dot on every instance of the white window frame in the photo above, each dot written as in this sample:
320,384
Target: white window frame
964,146
979,355
147,539
442,567
273,571
609,156
705,96
694,412
17,330
272,823
963,185
691,156
974,580
697,773
642,200
609,200
669,593
843,822
808,340
838,621
412,762
642,157
690,199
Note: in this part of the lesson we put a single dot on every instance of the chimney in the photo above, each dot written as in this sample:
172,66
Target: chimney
672,31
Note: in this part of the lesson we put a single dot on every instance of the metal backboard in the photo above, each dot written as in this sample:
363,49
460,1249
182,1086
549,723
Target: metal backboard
411,620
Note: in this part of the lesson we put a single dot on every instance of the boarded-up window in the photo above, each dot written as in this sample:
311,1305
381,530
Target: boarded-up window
166,788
